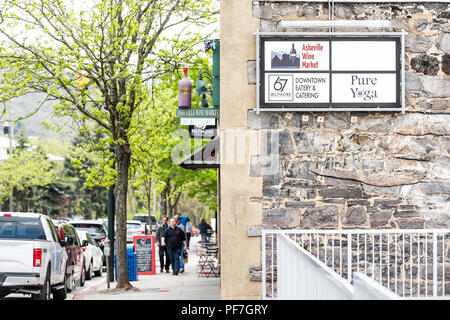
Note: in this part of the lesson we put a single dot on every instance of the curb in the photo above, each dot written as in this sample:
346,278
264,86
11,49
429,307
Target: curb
82,294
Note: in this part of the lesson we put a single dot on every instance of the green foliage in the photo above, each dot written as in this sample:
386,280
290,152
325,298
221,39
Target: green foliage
22,140
65,187
46,199
96,64
51,145
35,170
32,178
90,161
152,146
87,197
203,187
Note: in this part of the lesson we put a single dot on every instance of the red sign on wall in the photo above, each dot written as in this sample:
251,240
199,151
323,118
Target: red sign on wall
144,247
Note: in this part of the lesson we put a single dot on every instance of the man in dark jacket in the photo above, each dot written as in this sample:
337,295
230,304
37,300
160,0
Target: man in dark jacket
162,249
174,237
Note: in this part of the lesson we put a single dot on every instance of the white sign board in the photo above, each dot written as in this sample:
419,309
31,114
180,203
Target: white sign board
364,88
297,87
330,72
197,121
297,55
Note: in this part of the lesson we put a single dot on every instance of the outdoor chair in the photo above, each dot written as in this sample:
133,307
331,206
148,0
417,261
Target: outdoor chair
207,263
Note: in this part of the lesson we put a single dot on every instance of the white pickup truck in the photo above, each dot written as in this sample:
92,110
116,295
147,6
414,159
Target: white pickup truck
32,260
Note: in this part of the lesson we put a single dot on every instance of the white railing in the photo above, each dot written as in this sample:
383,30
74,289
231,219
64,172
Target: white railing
317,280
410,263
364,288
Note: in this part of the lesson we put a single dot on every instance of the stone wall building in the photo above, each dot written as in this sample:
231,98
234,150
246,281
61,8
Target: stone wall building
363,170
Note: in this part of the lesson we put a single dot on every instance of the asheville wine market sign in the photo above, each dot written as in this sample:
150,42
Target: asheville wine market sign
198,112
298,72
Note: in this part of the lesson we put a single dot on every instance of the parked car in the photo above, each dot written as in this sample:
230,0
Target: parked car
96,229
144,219
32,257
76,271
134,228
93,255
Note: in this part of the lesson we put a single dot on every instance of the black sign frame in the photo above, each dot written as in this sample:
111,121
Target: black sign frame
204,137
152,254
330,104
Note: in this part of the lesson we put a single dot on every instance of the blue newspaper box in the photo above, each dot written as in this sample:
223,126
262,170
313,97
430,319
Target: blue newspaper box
131,266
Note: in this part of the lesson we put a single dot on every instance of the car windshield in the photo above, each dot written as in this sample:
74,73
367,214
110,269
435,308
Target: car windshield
143,219
21,228
133,226
91,228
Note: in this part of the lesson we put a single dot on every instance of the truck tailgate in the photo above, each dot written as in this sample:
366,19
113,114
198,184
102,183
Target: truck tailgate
16,256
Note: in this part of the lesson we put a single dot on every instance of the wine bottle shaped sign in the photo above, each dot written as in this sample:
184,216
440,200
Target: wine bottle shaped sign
184,91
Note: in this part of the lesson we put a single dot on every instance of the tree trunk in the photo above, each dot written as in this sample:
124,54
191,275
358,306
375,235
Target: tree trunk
123,156
164,202
175,205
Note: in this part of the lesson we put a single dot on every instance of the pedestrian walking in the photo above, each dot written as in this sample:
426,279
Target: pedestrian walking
174,238
204,227
179,223
182,227
163,252
188,232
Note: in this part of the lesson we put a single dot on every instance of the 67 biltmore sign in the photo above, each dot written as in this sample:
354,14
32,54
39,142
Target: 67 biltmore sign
330,72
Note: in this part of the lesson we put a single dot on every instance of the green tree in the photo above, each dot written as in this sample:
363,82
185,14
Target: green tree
35,170
156,121
22,140
203,187
30,195
87,199
95,64
152,148
47,199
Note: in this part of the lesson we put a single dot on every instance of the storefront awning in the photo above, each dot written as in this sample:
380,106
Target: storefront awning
206,157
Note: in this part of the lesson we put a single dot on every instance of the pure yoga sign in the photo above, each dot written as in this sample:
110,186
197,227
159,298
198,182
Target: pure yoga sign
333,72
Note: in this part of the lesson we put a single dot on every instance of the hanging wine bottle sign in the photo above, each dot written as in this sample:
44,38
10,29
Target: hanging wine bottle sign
184,91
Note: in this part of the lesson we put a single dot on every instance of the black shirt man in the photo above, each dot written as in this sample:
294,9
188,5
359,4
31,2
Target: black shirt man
173,238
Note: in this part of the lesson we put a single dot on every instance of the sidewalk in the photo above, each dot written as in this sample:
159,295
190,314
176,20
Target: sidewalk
162,286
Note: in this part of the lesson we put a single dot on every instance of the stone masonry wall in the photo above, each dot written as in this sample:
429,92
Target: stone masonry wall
381,170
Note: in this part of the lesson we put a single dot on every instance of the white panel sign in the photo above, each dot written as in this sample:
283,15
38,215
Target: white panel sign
363,55
297,55
298,87
197,121
364,88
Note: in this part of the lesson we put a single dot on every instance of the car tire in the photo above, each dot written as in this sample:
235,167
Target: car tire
70,283
45,289
83,276
90,271
100,270
61,294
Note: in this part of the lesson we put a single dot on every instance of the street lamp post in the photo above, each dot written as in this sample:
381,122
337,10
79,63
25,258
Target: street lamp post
111,213
11,134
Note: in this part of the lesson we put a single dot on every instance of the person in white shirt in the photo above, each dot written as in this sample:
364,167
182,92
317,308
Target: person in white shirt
188,232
